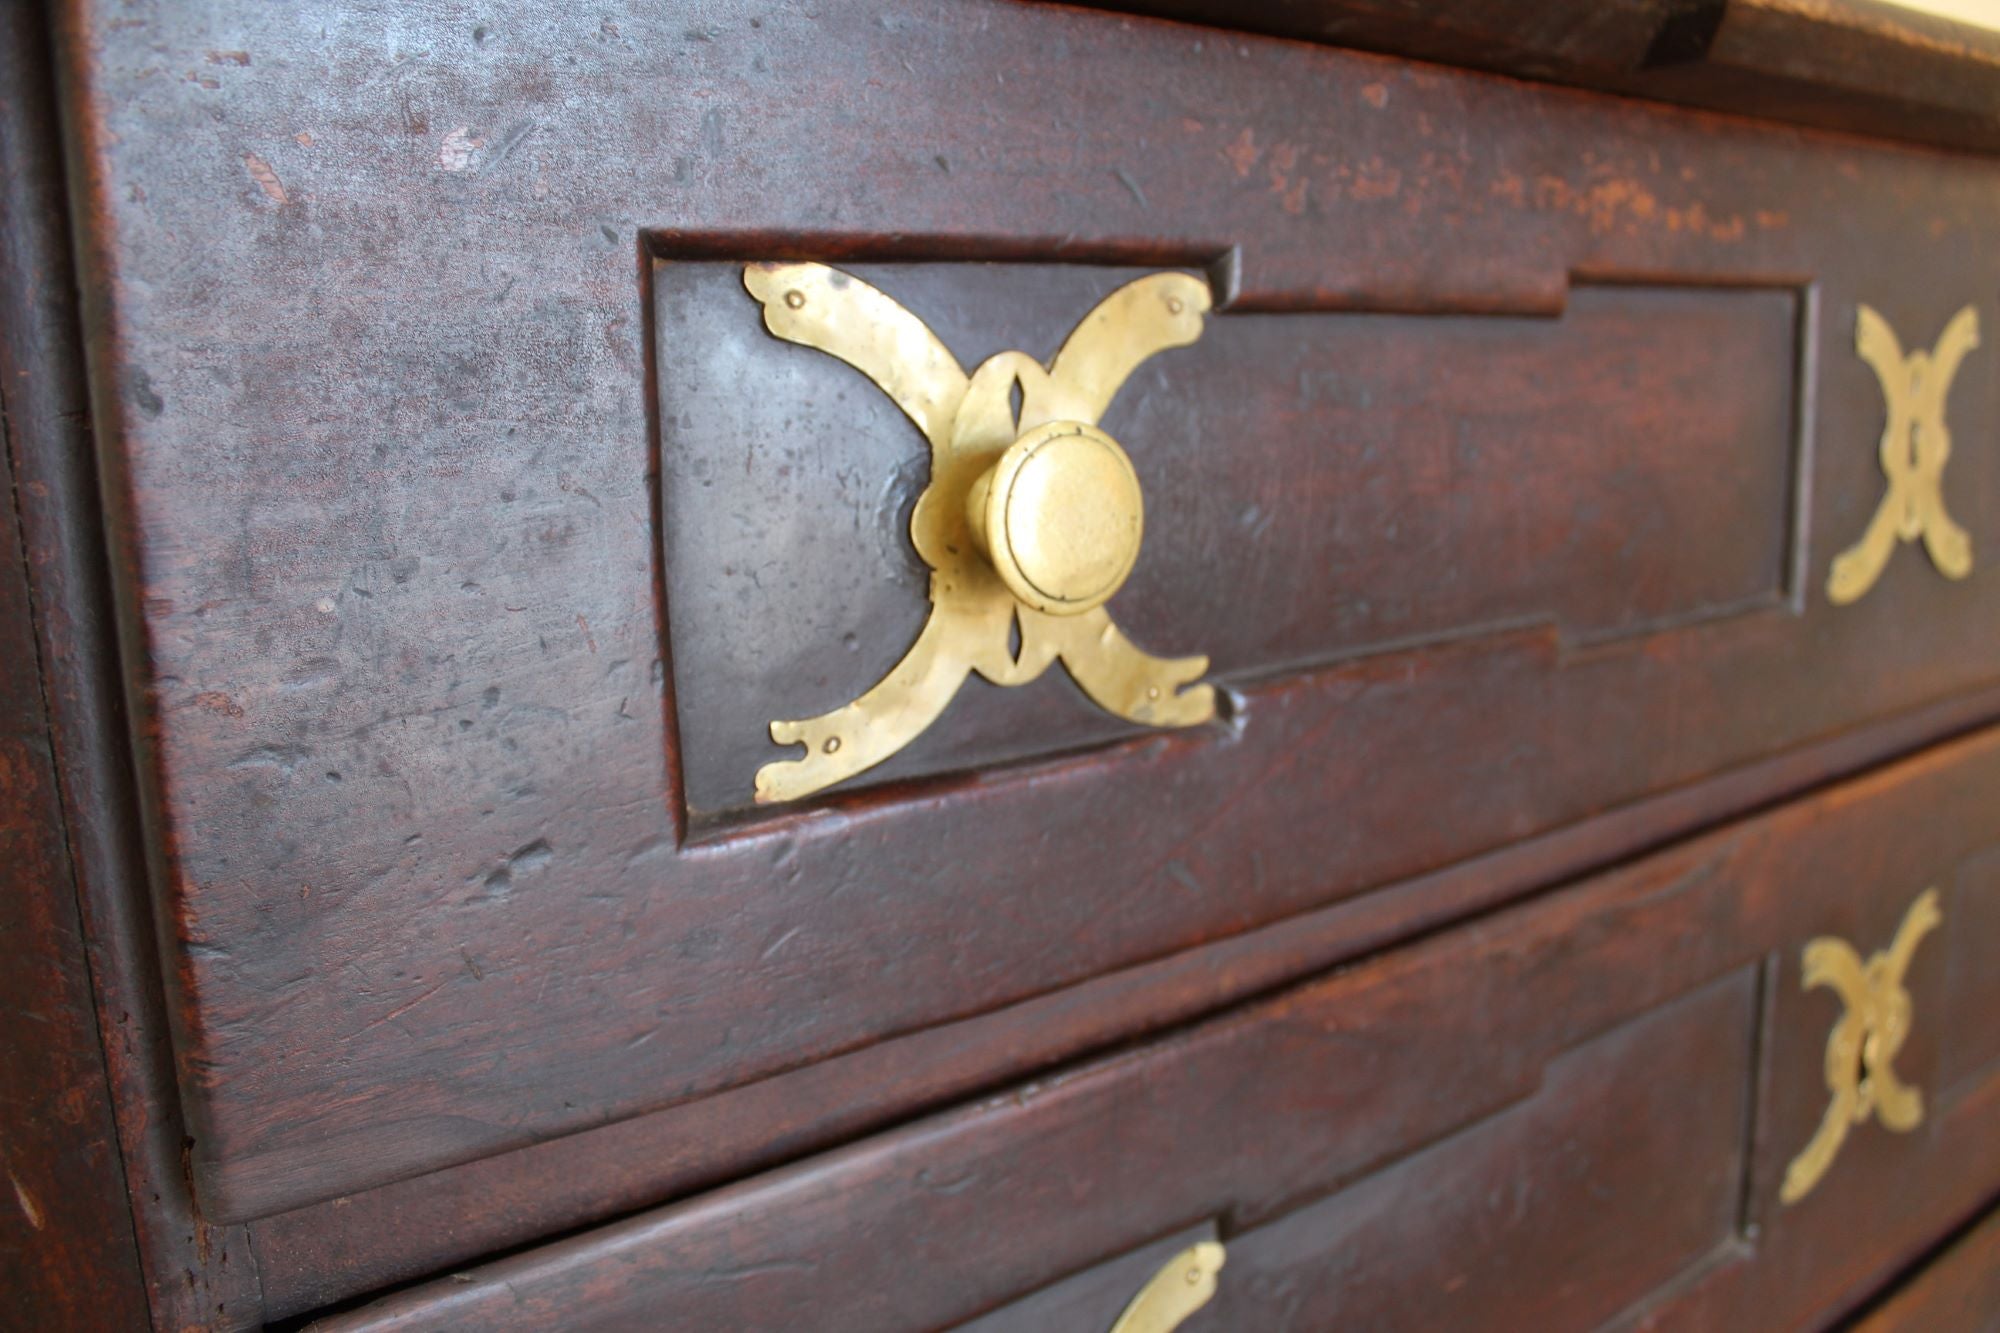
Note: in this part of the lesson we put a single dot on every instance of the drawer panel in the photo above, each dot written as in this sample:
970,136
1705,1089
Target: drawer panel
1574,1113
1320,488
1620,1173
1552,429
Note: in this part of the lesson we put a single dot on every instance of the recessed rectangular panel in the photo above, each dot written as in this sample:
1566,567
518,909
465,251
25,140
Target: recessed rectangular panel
1970,1052
1316,487
1621,1173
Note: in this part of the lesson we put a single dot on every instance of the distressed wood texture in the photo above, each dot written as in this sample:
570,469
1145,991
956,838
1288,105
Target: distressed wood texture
1570,1114
97,1225
67,1257
370,336
320,1254
1093,1298
1865,65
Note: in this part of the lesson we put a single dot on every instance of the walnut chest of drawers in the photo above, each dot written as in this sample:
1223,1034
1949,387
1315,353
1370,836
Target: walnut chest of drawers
968,663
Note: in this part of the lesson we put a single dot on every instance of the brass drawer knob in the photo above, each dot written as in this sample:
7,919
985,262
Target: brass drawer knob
1031,519
1060,517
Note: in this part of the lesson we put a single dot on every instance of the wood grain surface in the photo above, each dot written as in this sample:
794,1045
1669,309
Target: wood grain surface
67,1255
1620,1173
369,333
107,1237
323,1253
1957,1292
1636,1048
1868,66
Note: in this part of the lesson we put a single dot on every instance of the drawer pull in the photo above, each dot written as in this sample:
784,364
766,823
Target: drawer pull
1915,447
1183,1285
1862,1048
1032,518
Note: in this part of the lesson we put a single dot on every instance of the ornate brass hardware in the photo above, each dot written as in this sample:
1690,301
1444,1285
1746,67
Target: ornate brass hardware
1915,447
1862,1048
1183,1285
1032,521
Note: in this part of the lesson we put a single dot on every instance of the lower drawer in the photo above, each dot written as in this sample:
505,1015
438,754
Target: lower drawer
1737,1083
1956,1292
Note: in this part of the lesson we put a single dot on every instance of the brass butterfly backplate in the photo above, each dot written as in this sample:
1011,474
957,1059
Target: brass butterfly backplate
1183,1285
1914,449
1861,1050
1030,520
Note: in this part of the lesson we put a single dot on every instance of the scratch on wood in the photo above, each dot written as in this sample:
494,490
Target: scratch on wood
1130,184
27,1201
1185,877
403,1008
746,1271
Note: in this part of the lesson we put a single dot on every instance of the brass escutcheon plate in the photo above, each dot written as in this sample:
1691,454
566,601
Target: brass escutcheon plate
1861,1049
1183,1285
1030,521
1915,446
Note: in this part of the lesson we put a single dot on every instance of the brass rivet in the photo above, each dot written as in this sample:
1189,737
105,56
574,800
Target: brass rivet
832,744
1194,1277
1174,306
795,299
1152,691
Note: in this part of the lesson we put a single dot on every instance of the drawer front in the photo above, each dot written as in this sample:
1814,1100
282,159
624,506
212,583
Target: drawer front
1578,1113
477,528
1956,1292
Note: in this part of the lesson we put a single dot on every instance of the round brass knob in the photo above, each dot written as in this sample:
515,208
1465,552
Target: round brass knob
1060,516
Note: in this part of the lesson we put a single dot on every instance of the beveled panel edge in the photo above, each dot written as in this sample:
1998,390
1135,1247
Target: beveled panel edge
1221,263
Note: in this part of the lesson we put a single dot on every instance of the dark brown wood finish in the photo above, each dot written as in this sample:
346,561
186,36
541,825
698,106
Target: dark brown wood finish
67,1256
1622,1172
324,1253
1093,1298
1606,1052
370,345
1862,65
1539,1217
1975,987
82,958
1957,1292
